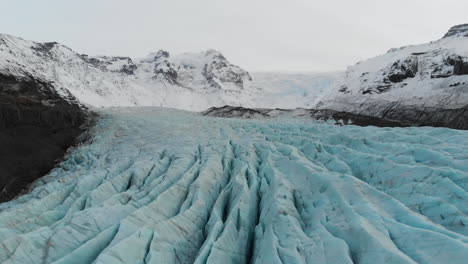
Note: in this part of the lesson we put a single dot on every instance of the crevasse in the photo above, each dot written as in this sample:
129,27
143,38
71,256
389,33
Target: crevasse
165,186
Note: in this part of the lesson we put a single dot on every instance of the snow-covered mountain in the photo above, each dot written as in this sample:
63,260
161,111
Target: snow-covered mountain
423,78
421,84
192,81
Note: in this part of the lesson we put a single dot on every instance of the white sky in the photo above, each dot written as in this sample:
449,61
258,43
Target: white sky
291,35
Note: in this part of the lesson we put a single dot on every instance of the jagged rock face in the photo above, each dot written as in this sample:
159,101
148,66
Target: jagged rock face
444,70
166,70
220,69
396,73
209,70
452,65
192,81
112,64
163,68
460,66
402,70
37,126
236,112
44,48
432,64
457,31
420,79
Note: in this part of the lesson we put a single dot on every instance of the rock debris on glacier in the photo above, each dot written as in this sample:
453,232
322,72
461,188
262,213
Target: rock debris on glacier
165,186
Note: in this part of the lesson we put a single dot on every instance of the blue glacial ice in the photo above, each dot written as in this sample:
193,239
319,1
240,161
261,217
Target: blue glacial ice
166,186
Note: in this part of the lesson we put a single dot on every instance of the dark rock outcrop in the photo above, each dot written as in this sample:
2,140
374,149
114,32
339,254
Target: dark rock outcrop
37,126
453,65
236,111
458,30
396,73
164,69
456,118
340,118
402,70
103,63
460,66
376,89
220,69
45,47
129,68
394,115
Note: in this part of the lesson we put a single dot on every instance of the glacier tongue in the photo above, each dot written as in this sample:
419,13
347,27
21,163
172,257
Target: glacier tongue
166,186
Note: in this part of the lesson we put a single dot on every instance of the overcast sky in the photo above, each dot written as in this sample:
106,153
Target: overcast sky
292,35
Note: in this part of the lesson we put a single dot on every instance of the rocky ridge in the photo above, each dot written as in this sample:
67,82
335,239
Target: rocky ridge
190,81
37,126
421,84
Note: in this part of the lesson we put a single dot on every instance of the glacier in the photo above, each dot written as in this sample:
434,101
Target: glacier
155,185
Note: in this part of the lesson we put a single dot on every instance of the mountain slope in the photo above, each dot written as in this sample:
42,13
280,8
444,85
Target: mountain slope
37,126
408,82
187,81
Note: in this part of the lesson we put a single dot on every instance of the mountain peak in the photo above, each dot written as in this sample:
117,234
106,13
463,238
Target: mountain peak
154,56
213,52
457,31
122,81
162,53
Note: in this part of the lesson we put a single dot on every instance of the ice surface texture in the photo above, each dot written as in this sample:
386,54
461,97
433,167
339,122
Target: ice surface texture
166,186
